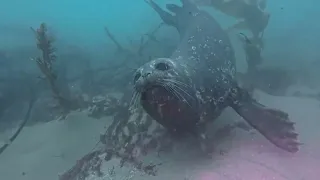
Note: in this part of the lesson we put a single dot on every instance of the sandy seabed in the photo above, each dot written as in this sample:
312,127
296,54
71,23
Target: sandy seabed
44,151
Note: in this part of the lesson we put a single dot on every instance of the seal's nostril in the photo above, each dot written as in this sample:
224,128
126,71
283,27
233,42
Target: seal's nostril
162,66
146,74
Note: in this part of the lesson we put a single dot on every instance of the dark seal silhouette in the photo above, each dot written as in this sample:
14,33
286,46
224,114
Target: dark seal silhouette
192,87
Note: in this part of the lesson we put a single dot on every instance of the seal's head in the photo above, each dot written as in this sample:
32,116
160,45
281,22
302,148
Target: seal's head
163,89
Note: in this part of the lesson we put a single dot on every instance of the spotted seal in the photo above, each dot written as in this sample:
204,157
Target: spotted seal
192,87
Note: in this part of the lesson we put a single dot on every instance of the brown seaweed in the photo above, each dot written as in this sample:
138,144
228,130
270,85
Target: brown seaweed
45,63
117,144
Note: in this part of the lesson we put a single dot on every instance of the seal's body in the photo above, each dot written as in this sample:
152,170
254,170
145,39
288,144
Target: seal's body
197,82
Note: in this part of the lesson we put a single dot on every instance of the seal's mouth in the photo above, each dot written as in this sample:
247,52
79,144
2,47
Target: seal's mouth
161,104
162,92
169,109
157,94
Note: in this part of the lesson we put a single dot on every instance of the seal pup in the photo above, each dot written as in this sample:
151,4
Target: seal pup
192,87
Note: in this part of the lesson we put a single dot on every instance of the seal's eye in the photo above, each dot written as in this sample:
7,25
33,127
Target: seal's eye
162,66
136,77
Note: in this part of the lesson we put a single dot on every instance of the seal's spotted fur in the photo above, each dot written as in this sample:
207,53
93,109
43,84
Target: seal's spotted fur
197,82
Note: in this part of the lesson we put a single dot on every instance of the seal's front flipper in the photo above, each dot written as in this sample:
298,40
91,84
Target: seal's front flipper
165,16
271,123
206,143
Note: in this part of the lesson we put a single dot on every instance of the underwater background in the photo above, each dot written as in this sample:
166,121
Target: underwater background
65,108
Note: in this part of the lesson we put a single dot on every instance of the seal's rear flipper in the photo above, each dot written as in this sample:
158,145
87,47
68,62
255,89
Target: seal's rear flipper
241,25
188,4
166,17
271,123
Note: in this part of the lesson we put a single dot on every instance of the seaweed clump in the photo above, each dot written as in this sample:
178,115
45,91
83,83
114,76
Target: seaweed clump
119,144
45,63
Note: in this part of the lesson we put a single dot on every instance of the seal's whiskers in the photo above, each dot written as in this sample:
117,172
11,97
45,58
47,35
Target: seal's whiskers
135,100
177,82
168,86
178,89
181,97
178,85
173,91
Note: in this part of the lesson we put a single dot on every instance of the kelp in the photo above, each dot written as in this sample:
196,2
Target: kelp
45,63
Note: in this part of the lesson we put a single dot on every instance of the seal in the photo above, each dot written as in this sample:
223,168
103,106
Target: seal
191,88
